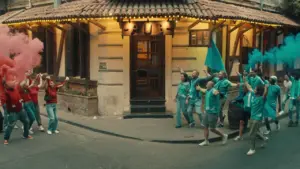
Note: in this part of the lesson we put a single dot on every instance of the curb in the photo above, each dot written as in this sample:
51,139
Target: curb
214,139
94,129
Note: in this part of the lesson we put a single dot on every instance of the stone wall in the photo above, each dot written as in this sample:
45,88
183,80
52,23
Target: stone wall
75,104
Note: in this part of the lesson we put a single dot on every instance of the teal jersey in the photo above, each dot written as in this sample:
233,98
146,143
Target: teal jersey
257,107
295,89
255,81
215,80
183,89
193,93
272,95
223,86
212,102
266,82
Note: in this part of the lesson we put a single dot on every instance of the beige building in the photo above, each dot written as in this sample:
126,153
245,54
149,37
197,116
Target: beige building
130,51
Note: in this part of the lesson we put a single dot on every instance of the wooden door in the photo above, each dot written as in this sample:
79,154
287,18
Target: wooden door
147,67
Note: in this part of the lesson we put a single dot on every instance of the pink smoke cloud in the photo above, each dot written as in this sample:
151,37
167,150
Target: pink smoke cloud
25,52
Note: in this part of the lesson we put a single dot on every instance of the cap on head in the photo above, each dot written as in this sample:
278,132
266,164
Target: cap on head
273,78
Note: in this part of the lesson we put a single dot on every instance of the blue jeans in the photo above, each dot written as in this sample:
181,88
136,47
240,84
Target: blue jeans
52,117
194,104
12,118
294,103
5,120
30,110
181,107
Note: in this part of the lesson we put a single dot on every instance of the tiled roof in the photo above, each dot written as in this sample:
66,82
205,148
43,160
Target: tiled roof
124,8
9,15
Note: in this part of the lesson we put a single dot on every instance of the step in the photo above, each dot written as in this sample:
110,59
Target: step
148,115
147,101
148,108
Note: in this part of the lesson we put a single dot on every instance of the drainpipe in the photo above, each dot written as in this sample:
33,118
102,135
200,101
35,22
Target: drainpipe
261,4
29,4
262,33
57,3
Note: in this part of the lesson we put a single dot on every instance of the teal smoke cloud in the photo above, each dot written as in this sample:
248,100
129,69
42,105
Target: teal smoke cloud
287,53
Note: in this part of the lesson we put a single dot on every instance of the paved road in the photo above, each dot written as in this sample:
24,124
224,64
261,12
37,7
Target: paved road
76,148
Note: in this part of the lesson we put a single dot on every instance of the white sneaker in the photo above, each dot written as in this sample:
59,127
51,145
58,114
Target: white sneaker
224,139
41,128
278,127
267,132
281,112
49,132
31,132
204,143
56,131
238,138
266,138
250,152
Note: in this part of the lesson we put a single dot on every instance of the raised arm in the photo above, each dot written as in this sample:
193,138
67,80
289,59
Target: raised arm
205,79
63,83
47,82
240,77
249,88
41,84
206,73
22,83
180,69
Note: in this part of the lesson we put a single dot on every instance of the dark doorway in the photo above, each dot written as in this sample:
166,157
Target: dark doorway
147,67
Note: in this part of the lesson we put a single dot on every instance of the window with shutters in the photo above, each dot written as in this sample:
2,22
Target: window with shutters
77,51
47,36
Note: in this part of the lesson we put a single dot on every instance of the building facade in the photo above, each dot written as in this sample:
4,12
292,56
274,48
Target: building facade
130,51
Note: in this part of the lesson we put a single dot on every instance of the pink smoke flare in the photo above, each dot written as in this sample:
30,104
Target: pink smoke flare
24,51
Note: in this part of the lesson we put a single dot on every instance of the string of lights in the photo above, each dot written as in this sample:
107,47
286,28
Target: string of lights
176,18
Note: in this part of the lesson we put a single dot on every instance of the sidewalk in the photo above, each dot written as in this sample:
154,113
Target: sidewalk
153,130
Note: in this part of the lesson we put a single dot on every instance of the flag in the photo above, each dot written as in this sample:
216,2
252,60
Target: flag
214,59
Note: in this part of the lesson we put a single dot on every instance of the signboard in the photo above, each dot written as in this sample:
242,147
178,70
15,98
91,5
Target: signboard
102,66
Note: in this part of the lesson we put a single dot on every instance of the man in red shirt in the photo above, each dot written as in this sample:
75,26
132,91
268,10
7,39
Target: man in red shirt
51,101
14,110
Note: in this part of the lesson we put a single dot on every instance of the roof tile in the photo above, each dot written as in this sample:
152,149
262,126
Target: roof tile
124,8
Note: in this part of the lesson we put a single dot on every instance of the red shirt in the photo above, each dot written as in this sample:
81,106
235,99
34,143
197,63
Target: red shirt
25,94
34,91
52,94
13,102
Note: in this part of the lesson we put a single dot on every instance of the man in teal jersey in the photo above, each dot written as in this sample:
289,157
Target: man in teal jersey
257,108
273,94
294,100
194,98
212,109
254,80
223,85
